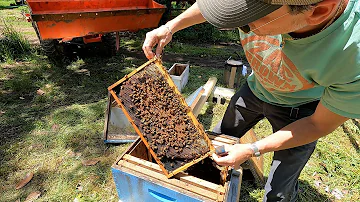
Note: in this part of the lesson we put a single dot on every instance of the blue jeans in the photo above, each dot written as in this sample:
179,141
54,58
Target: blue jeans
243,112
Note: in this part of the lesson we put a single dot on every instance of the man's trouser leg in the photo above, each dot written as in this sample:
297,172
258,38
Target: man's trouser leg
243,112
282,183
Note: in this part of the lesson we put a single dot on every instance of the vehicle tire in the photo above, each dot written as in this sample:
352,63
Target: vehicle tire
55,51
109,44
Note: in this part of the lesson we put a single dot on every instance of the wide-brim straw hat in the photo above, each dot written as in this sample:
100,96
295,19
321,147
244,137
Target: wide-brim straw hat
238,13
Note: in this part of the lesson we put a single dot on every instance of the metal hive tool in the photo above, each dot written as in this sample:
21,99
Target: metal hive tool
161,117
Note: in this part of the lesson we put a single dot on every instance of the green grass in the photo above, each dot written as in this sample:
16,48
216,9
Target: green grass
186,48
334,163
51,134
37,131
13,45
202,51
206,33
5,3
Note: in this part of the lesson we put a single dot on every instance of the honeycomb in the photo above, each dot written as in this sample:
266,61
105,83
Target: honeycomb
162,118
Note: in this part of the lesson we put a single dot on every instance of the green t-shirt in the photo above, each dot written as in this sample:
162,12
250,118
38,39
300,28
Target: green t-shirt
324,66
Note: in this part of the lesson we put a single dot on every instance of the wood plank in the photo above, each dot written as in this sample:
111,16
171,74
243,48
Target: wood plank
228,137
234,191
216,143
197,98
223,139
249,137
141,151
110,88
209,87
163,184
256,164
232,77
107,113
181,176
200,183
191,98
132,147
145,164
159,176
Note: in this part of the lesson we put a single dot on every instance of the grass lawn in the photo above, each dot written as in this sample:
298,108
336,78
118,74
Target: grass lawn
51,134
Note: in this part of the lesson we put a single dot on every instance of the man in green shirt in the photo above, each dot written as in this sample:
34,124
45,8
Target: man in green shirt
305,57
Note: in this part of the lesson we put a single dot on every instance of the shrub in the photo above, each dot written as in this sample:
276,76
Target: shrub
201,33
13,45
205,33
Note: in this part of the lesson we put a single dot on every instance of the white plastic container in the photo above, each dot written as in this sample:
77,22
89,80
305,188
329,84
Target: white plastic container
179,74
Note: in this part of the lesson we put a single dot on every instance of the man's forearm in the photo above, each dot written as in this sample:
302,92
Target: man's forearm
191,16
298,133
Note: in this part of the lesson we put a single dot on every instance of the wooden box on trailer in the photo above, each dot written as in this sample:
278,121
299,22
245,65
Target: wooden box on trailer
138,178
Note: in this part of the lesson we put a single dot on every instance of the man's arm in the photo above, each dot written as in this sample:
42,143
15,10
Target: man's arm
303,131
163,35
190,17
298,133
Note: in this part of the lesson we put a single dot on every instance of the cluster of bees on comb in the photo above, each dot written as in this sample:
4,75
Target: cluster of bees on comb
162,119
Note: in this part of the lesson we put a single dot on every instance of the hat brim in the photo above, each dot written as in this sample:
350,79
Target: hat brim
234,13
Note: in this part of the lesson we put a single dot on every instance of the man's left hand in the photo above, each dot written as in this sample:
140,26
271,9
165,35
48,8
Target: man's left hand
236,155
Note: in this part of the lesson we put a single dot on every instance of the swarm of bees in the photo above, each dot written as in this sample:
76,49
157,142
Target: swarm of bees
162,119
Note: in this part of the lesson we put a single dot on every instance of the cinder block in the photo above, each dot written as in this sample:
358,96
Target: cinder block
222,95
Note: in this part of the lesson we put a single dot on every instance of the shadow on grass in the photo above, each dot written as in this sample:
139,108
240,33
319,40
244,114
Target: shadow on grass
23,110
250,192
351,137
206,118
8,7
356,123
69,116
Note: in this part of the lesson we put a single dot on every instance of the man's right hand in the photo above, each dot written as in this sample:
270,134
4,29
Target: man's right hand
163,35
160,37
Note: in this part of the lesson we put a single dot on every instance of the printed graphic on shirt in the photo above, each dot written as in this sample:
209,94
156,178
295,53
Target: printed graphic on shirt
272,68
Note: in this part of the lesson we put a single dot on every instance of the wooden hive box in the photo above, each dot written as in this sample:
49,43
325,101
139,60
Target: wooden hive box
138,178
161,117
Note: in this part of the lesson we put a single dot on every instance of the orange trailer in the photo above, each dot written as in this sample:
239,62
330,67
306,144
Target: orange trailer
64,20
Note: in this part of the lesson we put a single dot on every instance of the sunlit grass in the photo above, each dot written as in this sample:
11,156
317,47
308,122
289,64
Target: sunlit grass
13,45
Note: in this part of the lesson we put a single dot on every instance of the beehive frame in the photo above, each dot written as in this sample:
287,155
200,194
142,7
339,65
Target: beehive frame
194,121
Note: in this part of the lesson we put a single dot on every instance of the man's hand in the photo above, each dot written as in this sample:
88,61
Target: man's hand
163,35
236,155
160,37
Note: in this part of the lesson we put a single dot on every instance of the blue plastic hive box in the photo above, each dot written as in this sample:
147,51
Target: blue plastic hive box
138,179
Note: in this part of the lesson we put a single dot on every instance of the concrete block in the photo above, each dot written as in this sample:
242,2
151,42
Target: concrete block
222,95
